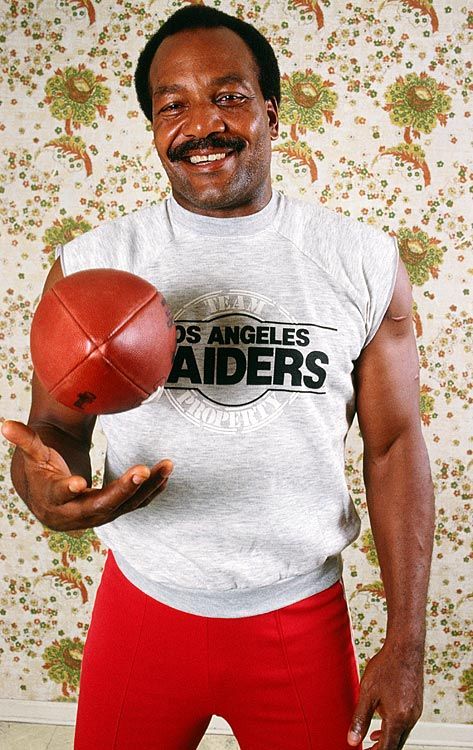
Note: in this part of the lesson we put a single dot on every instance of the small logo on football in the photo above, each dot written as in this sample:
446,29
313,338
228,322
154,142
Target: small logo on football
84,398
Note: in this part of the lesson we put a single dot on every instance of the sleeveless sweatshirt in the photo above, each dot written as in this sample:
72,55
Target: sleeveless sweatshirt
272,311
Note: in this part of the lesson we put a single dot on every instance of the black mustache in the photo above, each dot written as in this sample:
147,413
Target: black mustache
204,144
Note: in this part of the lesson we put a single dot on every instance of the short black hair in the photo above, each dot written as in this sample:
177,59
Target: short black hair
204,17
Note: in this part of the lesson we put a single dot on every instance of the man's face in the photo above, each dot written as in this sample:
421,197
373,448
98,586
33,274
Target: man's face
207,102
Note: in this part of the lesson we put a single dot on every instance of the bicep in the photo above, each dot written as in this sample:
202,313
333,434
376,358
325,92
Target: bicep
387,374
44,408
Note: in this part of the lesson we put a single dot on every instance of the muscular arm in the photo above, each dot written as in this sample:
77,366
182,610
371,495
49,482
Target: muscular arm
400,502
51,465
396,466
63,429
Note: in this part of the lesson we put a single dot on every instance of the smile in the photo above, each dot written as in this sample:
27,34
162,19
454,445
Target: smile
206,158
209,162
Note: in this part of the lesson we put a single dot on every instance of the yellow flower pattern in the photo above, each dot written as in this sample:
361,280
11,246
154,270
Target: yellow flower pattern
376,105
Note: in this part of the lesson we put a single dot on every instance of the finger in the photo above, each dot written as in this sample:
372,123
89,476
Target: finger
131,505
403,738
122,489
26,439
144,496
390,736
361,719
158,473
95,506
67,488
375,737
145,482
148,494
88,507
164,467
162,486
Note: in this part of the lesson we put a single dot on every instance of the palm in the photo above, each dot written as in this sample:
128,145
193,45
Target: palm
46,460
62,500
55,465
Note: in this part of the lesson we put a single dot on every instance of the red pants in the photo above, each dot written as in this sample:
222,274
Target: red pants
153,676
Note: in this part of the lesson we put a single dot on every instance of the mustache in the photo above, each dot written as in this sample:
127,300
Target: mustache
203,144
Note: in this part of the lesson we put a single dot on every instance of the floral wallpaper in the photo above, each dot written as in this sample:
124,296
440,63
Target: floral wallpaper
375,114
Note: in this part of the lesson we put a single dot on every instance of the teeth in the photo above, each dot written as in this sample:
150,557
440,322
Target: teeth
210,157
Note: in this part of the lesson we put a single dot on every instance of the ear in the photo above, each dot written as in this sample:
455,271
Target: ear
273,117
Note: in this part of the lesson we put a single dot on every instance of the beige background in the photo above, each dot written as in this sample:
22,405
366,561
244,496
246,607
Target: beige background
375,122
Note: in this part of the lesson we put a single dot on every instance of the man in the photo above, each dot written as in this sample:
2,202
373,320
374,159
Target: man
223,595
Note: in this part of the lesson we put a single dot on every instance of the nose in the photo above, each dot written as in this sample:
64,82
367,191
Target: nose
202,119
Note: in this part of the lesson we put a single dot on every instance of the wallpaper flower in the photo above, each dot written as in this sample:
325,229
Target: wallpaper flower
375,114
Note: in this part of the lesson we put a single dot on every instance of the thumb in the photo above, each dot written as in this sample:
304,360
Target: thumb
25,438
361,720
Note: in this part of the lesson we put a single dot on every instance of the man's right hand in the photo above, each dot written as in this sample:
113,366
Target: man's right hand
63,501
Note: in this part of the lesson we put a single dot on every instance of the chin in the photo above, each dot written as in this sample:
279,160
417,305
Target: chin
228,196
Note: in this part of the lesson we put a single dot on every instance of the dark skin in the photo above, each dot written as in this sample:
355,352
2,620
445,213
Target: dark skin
51,468
212,104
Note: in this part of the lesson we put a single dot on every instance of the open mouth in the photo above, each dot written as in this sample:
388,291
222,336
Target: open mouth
205,158
210,160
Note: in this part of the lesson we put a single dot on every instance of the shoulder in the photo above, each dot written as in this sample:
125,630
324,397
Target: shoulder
306,221
343,247
123,243
134,222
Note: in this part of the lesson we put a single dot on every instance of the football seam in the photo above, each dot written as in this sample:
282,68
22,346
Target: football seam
130,317
116,330
117,369
83,331
112,365
97,346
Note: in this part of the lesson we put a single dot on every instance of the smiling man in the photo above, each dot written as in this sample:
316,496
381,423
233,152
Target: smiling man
224,594
212,125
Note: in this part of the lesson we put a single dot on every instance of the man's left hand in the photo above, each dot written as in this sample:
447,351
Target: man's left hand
392,684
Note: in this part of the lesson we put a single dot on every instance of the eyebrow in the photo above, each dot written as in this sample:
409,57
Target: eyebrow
230,78
175,88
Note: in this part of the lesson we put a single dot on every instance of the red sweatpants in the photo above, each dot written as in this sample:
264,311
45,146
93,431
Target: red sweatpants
152,676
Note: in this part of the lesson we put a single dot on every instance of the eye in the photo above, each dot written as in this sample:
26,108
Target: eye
231,99
170,108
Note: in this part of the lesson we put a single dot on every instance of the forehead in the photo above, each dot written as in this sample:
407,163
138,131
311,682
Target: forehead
201,53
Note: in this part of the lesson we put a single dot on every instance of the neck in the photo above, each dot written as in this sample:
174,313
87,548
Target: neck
244,207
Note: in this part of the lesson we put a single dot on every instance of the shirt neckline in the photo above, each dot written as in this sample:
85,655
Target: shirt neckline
229,226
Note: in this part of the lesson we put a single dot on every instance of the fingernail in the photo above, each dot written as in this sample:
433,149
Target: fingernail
166,471
137,479
353,736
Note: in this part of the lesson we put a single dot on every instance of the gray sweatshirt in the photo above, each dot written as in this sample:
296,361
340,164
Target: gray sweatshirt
272,310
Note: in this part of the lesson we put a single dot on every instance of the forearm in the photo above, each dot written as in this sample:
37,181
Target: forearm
400,499
74,451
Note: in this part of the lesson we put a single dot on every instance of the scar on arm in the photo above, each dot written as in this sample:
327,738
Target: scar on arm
390,315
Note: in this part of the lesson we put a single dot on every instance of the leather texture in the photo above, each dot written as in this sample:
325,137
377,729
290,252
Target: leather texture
102,340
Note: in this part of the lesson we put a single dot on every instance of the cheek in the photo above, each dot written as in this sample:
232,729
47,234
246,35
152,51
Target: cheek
258,129
156,134
261,142
162,138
